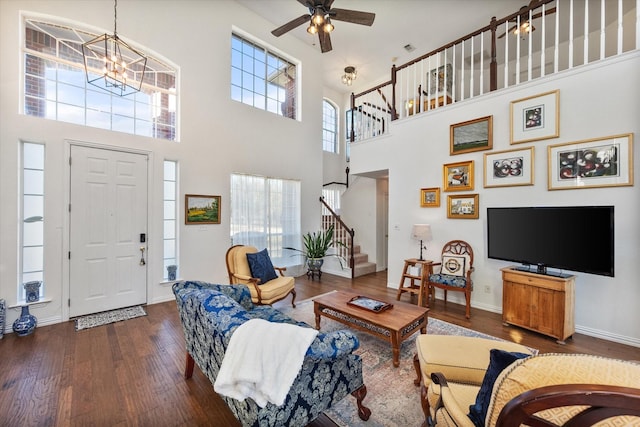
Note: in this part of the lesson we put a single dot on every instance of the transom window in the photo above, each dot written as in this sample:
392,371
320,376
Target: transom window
56,88
262,78
329,127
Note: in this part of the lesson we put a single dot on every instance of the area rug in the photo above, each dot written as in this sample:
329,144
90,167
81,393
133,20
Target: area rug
391,395
106,317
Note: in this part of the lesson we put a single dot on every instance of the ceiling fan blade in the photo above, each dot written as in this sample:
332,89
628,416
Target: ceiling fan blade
546,12
327,4
353,16
290,25
306,3
325,41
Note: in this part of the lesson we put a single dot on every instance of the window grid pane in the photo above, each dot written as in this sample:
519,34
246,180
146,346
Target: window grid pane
55,86
329,127
170,239
32,225
262,79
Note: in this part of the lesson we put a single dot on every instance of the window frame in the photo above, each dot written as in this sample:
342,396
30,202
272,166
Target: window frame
325,129
176,212
58,49
243,94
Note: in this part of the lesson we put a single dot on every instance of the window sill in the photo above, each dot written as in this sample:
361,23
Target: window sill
23,303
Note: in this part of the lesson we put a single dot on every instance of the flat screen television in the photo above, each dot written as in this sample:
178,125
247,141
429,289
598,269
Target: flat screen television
576,238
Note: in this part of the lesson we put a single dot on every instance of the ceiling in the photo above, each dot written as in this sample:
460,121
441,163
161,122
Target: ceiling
424,24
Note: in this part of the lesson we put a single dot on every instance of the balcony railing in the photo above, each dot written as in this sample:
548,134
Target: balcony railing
544,38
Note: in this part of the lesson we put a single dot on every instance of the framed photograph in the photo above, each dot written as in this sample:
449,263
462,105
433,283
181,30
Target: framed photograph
463,206
535,118
508,168
472,135
458,176
200,209
592,163
430,197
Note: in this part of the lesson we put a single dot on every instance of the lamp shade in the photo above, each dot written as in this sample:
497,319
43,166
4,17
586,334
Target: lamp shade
421,232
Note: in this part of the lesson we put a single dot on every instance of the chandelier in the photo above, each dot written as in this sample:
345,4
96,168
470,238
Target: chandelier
350,75
111,64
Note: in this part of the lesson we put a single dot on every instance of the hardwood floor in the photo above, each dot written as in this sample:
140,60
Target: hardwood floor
130,373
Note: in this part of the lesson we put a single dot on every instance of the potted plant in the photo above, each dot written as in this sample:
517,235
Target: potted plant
316,245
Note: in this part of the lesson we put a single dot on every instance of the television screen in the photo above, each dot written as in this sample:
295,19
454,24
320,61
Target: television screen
576,238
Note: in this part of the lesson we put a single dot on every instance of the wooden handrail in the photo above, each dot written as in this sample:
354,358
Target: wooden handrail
342,227
492,27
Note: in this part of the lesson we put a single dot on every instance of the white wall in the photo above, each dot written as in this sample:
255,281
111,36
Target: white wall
598,100
218,136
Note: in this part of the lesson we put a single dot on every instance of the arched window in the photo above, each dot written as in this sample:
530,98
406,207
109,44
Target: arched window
56,88
329,126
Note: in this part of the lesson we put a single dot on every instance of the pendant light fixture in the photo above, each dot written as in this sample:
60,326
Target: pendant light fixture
112,65
350,75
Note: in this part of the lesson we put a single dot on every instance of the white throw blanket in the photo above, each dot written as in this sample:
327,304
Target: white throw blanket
262,360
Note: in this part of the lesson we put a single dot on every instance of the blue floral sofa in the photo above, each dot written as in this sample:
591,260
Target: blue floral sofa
210,313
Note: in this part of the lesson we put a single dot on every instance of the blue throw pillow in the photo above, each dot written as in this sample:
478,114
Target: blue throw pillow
499,359
261,266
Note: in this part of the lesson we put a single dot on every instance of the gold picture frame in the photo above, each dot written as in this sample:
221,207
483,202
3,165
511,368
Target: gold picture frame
199,209
472,135
458,176
591,163
430,197
509,168
463,206
535,118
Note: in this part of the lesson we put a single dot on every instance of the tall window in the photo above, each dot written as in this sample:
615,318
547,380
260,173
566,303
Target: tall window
329,127
170,215
32,224
56,88
262,78
265,213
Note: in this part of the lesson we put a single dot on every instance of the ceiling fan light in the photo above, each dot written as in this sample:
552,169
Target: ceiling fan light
328,26
312,29
317,18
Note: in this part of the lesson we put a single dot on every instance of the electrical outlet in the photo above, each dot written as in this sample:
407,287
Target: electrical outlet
487,289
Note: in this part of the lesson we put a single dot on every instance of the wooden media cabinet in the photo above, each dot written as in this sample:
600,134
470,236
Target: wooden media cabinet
539,302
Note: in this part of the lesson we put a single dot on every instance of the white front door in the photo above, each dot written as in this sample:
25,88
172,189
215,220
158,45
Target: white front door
108,215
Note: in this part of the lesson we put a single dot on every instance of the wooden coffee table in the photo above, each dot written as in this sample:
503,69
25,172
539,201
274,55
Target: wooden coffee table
393,325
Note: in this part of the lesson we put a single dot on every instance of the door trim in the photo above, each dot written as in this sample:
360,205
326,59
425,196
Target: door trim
66,226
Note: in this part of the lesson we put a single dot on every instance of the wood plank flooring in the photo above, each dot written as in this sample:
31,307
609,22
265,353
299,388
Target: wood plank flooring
130,373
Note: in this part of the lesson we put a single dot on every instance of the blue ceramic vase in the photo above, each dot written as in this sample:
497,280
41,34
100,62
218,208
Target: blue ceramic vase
26,323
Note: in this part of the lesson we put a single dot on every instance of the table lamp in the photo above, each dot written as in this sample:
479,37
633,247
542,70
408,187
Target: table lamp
421,232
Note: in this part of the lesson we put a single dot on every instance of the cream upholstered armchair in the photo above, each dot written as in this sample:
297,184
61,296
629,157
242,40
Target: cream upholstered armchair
456,266
248,266
458,389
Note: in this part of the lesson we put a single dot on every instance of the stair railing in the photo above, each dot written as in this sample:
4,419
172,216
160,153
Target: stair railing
341,233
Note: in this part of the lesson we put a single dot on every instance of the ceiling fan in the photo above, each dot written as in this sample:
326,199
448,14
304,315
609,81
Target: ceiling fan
525,25
319,18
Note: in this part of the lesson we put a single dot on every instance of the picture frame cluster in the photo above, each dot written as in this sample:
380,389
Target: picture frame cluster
591,163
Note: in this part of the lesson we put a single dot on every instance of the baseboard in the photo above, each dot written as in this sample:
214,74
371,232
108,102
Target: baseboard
596,333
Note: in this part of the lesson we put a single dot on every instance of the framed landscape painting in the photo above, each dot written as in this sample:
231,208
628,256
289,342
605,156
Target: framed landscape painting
535,118
463,206
592,163
199,209
508,168
472,135
430,197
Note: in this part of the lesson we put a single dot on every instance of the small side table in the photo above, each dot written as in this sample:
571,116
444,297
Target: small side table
412,287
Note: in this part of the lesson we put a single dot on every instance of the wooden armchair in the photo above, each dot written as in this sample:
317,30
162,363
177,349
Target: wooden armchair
456,266
602,401
263,293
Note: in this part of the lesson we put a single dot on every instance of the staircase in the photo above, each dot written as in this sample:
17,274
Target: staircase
361,264
349,251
